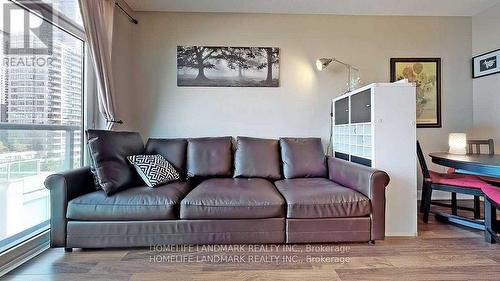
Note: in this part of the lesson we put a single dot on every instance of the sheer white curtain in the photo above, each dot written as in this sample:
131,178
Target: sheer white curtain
97,18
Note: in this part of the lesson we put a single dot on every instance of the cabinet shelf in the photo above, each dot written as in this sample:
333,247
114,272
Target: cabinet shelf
377,129
352,130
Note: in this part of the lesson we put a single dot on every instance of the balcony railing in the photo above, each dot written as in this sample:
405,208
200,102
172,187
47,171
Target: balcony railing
23,171
69,135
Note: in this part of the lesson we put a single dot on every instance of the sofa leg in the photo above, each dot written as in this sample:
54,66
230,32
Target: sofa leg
371,242
68,249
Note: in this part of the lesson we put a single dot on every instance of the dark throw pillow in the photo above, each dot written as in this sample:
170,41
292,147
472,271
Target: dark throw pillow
257,158
154,169
173,150
209,157
303,158
109,151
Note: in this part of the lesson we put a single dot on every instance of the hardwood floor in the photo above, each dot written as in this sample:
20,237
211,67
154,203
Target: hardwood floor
441,252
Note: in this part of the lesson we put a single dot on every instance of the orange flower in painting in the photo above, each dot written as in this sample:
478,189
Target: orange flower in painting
418,67
408,74
425,83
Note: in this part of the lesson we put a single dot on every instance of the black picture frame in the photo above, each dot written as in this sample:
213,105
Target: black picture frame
474,76
230,66
437,61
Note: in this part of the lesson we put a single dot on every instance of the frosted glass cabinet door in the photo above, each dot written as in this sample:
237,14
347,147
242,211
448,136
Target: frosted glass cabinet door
342,111
361,107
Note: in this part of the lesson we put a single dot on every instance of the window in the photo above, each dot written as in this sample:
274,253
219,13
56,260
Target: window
41,114
68,8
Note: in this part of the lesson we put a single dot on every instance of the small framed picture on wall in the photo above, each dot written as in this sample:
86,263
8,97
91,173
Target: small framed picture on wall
426,74
486,64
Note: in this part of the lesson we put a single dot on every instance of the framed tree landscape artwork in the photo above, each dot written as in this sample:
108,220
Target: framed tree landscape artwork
426,74
207,66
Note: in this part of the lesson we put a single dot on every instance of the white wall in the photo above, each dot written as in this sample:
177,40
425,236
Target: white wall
123,68
153,104
485,38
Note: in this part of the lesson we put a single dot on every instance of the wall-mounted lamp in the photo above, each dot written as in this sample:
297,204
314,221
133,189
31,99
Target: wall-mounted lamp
323,63
457,143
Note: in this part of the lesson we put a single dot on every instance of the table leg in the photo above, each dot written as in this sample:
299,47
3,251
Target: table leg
447,218
454,203
477,207
489,221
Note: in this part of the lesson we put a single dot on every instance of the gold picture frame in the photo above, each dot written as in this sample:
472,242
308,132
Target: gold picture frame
426,74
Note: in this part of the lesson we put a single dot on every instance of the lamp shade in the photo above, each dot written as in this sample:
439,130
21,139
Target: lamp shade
457,143
322,63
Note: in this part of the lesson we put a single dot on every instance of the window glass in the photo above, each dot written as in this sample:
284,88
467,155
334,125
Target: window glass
69,8
41,113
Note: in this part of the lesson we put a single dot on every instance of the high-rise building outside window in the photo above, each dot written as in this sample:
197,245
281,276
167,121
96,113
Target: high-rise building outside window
41,112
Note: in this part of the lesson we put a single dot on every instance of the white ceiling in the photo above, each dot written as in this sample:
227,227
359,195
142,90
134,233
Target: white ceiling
338,7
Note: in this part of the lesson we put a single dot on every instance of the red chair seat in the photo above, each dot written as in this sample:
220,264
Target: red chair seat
468,181
492,192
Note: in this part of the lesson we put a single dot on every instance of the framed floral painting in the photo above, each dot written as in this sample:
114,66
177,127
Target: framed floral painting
426,74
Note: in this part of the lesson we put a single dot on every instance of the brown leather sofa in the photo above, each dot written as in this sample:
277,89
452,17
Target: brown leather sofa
260,191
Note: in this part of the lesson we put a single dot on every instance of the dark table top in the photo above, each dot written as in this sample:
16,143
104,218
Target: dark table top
477,163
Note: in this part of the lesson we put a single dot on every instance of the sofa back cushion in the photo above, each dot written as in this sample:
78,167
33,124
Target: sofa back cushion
257,158
303,158
174,150
209,157
109,151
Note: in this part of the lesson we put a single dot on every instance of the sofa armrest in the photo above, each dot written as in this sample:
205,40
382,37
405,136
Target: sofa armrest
366,180
63,187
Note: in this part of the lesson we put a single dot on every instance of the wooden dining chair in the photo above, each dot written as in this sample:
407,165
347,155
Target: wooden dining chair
457,183
491,151
474,147
471,144
491,205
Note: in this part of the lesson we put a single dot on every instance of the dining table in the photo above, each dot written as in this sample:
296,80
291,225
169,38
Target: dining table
475,164
478,164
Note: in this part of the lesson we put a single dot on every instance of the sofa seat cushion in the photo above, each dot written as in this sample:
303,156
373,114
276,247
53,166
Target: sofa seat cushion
137,203
241,198
322,198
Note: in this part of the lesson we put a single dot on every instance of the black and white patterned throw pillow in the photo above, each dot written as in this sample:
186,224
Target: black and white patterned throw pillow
154,169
